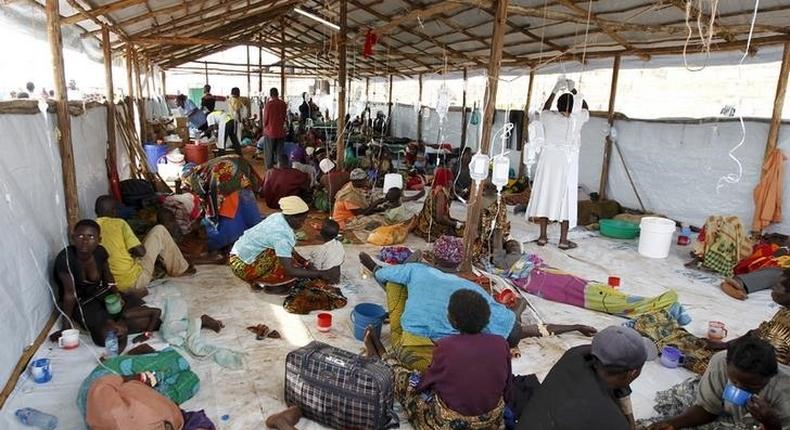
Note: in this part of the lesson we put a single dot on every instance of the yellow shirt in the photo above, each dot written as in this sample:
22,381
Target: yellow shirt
118,238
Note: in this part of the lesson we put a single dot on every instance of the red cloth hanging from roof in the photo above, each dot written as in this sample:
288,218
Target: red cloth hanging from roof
371,38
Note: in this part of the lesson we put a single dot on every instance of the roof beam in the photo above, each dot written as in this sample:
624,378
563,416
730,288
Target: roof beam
102,10
610,30
418,13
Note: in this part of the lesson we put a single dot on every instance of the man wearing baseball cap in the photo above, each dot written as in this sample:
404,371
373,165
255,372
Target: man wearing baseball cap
588,388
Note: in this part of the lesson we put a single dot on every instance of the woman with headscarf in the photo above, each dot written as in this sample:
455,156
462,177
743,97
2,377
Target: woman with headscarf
264,255
434,220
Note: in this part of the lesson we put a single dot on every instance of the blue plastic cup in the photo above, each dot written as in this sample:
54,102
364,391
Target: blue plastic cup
736,396
41,370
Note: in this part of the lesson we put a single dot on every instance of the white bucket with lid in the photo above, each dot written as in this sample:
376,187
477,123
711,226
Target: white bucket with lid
655,237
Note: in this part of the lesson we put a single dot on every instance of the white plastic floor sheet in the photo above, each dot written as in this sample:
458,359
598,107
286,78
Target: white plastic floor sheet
247,396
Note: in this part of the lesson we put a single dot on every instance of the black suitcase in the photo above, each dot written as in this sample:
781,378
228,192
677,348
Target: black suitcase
339,389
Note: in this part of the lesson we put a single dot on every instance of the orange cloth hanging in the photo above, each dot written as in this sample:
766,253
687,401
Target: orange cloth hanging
768,193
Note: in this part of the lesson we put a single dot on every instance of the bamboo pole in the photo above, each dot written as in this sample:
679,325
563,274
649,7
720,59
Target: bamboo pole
607,148
476,200
367,88
779,100
62,105
341,96
111,149
282,57
525,127
463,112
205,66
419,112
129,83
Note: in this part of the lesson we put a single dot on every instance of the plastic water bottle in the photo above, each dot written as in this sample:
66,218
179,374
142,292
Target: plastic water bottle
35,418
111,344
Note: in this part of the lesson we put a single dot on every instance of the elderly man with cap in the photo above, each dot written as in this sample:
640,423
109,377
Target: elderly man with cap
264,256
588,388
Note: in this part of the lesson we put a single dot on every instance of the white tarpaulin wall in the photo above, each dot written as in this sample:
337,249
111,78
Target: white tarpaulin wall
33,215
675,166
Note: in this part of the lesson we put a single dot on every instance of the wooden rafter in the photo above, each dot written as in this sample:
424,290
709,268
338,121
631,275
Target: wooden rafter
609,29
102,10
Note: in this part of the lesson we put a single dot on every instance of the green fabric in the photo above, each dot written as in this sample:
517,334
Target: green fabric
176,380
603,298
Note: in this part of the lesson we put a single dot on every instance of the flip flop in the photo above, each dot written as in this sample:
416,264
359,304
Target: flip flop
567,246
542,242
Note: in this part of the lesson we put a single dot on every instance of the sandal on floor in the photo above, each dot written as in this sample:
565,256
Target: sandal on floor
567,246
542,242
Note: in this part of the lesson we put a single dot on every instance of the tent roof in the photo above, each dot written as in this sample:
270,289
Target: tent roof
429,36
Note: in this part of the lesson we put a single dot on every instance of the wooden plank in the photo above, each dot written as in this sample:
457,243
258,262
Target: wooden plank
414,14
249,77
174,41
419,112
341,78
464,126
260,75
103,10
110,88
476,200
525,128
607,149
779,100
62,105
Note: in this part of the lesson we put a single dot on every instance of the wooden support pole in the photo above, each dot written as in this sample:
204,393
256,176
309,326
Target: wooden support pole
140,99
419,112
64,121
389,108
283,59
164,85
525,128
463,113
249,77
779,101
129,79
607,148
341,78
367,88
111,150
205,65
260,72
476,200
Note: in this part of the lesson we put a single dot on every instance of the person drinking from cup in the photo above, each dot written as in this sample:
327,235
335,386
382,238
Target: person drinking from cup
89,295
744,383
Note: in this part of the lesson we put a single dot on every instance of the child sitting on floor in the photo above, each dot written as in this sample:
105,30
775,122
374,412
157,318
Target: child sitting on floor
330,255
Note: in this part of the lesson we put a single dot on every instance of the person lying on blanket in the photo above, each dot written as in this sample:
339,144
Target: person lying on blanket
390,210
529,273
759,272
418,294
446,395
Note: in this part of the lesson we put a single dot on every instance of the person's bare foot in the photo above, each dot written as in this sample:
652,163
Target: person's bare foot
368,262
210,323
141,349
191,270
734,289
138,292
285,420
373,346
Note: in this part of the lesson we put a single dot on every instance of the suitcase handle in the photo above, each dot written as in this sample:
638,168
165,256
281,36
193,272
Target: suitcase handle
354,360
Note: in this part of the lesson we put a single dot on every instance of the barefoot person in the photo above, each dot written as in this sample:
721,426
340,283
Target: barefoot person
264,256
555,190
131,262
418,294
82,272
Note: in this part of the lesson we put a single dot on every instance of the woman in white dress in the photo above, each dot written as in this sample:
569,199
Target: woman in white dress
555,189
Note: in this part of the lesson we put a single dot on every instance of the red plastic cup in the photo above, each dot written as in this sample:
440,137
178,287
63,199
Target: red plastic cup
614,281
323,321
506,297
